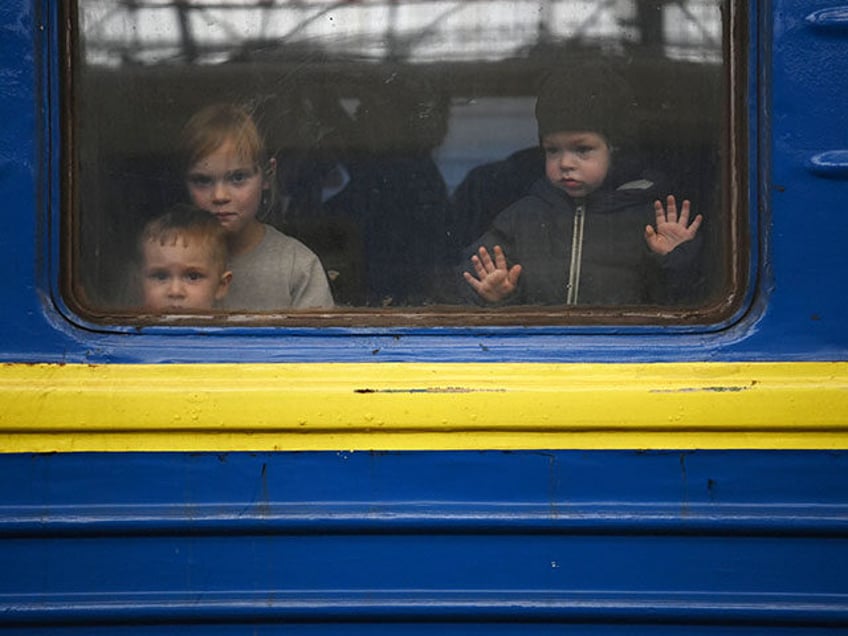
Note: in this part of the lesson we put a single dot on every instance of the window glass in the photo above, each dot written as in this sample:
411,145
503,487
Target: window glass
365,158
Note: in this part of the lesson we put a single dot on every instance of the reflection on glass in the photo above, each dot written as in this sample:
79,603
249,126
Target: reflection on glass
209,32
399,130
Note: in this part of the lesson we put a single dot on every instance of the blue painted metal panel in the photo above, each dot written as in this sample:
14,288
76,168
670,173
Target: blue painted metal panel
731,541
558,542
502,628
797,292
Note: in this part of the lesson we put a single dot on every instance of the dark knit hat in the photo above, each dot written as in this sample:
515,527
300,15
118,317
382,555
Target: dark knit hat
595,99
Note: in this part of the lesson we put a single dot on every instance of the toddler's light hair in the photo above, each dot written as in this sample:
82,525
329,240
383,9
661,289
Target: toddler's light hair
187,223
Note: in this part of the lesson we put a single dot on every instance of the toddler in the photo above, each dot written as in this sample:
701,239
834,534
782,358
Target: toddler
576,238
183,257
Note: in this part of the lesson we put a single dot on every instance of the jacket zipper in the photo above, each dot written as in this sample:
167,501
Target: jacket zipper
576,255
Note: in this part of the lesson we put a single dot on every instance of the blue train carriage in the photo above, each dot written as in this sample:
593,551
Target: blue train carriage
382,470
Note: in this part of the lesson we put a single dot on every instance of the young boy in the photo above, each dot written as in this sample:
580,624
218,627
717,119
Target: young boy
575,238
183,261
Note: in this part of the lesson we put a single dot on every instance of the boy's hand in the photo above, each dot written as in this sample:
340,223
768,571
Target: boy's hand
671,230
494,280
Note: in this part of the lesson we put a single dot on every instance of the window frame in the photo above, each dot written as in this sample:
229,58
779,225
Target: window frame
715,315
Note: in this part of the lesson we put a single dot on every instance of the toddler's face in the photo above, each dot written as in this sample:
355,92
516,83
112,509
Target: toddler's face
181,276
576,161
227,185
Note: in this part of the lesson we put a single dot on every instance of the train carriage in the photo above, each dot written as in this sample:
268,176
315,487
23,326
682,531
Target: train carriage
405,466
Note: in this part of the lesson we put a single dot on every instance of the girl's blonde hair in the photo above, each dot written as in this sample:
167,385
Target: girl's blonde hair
211,127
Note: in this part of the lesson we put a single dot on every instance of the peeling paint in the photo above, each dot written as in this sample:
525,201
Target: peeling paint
707,389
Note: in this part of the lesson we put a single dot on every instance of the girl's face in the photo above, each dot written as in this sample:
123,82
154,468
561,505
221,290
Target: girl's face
576,161
229,186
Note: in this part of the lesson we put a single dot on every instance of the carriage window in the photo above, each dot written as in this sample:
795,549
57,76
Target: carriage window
404,161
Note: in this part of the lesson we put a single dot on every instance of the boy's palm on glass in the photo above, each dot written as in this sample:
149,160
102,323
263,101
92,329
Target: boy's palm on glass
672,229
495,281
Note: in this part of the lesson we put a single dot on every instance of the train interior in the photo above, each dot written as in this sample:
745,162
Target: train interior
390,161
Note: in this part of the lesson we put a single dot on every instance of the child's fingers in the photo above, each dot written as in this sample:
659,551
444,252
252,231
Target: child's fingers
493,281
478,267
695,225
486,260
490,288
671,211
684,213
513,274
500,259
476,284
659,211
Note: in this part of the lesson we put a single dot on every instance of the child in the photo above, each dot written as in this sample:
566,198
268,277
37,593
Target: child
575,238
229,173
183,261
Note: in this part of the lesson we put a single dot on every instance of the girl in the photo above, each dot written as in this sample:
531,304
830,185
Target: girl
228,172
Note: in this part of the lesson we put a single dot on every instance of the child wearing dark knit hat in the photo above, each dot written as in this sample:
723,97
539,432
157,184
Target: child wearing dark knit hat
575,238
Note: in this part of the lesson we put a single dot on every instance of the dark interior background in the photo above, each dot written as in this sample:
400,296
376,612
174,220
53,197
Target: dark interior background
392,235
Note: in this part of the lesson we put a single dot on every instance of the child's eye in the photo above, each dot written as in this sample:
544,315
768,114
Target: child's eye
157,275
584,150
239,177
551,150
195,276
199,180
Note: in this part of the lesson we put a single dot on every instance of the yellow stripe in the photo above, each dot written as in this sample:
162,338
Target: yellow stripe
423,406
